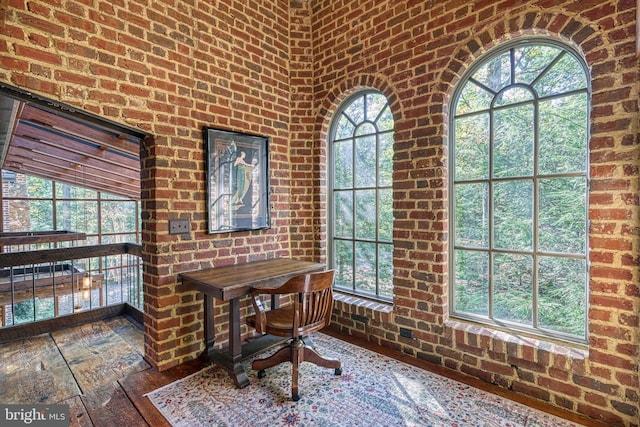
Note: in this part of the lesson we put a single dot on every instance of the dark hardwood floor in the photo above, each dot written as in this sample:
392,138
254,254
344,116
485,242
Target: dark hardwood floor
98,369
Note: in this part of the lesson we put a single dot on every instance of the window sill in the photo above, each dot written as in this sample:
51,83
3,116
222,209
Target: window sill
464,331
362,302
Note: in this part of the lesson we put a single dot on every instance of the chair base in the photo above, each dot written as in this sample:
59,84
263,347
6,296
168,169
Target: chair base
296,352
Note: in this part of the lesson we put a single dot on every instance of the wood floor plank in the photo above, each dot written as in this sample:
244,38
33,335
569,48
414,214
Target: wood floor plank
78,416
130,332
97,355
108,405
141,383
188,368
33,371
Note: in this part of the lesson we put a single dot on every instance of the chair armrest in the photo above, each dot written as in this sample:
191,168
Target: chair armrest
261,317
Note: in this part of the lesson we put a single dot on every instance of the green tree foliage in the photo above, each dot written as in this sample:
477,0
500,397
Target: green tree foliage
362,235
520,186
105,218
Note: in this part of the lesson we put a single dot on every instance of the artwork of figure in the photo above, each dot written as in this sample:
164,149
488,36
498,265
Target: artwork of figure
237,178
243,173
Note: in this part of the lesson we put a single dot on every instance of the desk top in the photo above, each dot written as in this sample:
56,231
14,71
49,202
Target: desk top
232,281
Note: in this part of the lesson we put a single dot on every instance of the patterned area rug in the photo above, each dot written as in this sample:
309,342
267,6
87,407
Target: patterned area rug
373,390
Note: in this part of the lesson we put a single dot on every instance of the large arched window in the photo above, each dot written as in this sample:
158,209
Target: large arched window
520,121
361,207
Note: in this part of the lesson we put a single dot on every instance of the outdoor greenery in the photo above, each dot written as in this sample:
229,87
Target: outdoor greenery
35,204
520,191
30,203
362,234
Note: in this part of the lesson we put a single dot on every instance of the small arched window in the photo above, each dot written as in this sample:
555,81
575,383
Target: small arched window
361,199
520,122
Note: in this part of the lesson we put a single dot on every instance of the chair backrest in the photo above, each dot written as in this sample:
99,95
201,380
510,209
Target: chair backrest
313,301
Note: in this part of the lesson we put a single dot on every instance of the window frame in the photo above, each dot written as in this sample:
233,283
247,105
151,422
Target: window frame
331,220
100,198
535,178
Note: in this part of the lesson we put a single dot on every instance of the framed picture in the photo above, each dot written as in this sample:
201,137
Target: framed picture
237,181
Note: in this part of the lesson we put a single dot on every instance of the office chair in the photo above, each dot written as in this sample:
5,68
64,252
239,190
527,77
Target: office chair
310,311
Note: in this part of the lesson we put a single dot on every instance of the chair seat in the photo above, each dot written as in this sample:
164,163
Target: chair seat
279,321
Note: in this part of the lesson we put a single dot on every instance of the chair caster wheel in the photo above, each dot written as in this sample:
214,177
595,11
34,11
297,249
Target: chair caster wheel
295,397
338,371
262,373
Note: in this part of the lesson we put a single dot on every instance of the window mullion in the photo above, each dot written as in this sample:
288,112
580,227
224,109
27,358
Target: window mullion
377,211
354,208
491,213
536,210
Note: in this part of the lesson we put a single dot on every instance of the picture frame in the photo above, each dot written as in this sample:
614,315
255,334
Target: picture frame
237,170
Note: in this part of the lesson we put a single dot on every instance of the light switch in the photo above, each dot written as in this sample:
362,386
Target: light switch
179,226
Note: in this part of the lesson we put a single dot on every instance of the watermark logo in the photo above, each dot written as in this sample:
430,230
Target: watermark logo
34,415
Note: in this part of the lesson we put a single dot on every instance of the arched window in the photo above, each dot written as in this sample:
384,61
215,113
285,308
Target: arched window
520,121
361,199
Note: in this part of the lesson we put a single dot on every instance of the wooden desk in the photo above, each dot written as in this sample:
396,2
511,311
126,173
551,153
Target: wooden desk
230,283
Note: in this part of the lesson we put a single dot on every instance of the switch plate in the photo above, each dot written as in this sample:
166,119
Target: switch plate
179,226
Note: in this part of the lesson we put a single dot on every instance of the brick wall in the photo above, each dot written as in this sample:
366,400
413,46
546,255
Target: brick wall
234,71
280,69
415,52
307,175
170,68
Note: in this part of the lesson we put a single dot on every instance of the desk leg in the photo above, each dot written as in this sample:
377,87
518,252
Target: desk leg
209,329
236,370
231,360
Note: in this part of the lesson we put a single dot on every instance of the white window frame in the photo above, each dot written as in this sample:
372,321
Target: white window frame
387,245
535,253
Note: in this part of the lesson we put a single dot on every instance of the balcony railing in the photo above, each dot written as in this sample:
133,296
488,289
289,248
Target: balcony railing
45,284
35,240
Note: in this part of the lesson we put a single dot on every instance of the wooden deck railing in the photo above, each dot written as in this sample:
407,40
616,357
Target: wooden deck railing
44,284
